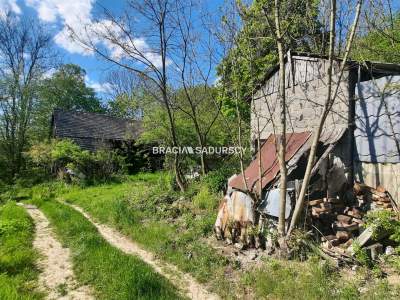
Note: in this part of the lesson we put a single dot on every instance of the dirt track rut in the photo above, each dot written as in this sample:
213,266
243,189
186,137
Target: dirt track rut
56,277
183,281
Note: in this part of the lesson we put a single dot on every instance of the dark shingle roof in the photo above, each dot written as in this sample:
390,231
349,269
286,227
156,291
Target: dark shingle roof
76,124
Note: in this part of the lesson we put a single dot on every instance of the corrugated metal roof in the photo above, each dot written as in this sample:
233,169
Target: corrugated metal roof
377,109
269,160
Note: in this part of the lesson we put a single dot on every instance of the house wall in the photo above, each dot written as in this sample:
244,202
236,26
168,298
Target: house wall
306,90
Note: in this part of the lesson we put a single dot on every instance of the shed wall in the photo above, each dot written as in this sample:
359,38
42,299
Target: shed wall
305,99
377,131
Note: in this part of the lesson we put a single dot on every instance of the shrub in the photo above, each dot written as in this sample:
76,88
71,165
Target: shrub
205,200
217,180
59,155
383,221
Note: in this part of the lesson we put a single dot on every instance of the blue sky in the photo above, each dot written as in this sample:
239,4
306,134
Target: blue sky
56,14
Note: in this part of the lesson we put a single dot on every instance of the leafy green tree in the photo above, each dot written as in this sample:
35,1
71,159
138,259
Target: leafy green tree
255,51
25,54
66,90
212,126
381,42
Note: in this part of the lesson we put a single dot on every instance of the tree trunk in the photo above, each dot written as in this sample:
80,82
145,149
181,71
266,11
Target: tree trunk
282,138
328,104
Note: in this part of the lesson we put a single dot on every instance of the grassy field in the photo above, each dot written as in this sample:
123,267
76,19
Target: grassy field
146,209
112,274
174,226
18,274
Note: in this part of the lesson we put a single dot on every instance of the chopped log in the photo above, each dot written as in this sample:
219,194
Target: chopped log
354,212
344,219
315,202
328,237
348,243
358,221
381,189
347,227
358,188
343,236
318,210
375,193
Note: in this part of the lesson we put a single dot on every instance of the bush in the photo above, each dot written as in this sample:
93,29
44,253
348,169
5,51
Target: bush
217,180
383,221
205,200
58,156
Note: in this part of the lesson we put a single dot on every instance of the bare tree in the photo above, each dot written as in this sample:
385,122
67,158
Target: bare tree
126,93
25,55
330,99
282,103
194,64
144,49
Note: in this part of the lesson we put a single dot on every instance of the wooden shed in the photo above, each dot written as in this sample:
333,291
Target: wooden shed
367,109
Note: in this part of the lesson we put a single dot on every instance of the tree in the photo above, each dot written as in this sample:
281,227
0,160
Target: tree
194,66
331,96
127,94
25,55
256,39
381,39
65,89
142,42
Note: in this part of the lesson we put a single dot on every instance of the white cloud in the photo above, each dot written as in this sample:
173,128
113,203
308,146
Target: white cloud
98,87
74,13
9,5
64,40
77,15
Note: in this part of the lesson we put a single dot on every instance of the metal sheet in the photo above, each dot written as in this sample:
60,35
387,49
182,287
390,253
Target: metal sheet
375,142
269,160
270,204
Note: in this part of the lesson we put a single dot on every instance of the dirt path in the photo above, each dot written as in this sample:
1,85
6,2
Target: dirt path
183,281
56,277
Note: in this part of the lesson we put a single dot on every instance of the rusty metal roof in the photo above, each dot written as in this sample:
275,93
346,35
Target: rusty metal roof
269,161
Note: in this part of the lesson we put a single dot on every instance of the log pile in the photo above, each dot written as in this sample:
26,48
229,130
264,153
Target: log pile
377,198
340,223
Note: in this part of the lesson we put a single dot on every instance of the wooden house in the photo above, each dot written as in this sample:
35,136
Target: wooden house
94,131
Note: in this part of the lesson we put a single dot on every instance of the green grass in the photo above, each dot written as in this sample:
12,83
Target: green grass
314,279
18,274
142,208
174,225
112,274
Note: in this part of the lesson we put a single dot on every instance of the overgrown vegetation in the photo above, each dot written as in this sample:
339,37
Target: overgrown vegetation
177,227
18,273
70,163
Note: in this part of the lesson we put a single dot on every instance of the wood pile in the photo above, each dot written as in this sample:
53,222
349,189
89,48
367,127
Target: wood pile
377,198
340,223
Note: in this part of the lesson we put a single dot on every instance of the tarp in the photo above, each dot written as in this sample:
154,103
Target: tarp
269,160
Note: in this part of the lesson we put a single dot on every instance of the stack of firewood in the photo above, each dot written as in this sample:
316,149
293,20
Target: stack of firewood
333,217
339,224
378,198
